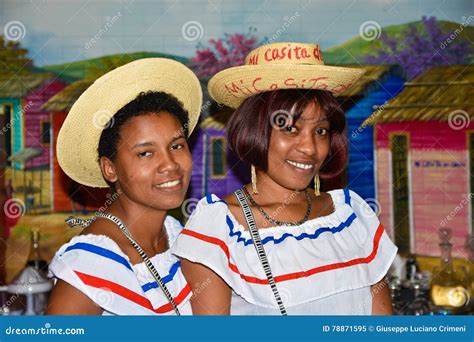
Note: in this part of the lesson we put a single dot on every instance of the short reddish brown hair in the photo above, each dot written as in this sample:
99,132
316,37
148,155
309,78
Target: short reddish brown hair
250,127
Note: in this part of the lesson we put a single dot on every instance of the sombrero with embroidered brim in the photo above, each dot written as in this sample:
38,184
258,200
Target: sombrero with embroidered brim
79,136
280,66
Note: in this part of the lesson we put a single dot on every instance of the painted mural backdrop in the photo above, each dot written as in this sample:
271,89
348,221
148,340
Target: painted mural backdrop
409,119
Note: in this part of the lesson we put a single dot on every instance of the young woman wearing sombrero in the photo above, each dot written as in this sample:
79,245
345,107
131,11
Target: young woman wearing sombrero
128,131
276,246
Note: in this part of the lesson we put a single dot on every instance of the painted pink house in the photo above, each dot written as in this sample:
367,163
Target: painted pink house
37,122
424,155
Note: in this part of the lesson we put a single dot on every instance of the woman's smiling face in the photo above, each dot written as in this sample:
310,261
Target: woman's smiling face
297,152
153,164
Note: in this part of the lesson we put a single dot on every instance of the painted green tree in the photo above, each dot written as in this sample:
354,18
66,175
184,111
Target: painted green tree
13,57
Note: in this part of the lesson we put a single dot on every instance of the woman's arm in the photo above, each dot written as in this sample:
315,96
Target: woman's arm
381,299
67,300
211,294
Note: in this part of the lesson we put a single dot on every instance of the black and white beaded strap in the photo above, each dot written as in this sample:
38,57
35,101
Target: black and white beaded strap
257,242
74,221
143,255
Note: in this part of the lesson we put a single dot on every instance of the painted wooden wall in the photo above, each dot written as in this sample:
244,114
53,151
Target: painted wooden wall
438,181
360,172
33,119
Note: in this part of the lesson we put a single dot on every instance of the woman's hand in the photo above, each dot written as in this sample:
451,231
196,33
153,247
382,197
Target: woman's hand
211,294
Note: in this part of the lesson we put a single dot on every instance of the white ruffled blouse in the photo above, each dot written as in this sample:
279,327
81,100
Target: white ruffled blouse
95,265
324,266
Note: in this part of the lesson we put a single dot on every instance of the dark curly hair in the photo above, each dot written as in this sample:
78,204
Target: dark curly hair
145,103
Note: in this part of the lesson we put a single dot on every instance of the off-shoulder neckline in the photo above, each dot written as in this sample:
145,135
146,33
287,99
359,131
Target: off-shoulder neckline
172,236
338,206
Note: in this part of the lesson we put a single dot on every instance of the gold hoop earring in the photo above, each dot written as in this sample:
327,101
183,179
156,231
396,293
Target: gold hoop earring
254,180
316,185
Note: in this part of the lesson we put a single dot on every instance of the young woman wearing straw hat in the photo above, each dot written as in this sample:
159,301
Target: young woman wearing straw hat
276,246
128,131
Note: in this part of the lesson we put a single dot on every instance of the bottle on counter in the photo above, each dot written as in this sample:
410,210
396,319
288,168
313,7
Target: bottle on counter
34,258
31,287
412,268
450,287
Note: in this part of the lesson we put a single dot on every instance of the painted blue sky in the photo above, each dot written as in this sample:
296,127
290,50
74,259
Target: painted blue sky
60,31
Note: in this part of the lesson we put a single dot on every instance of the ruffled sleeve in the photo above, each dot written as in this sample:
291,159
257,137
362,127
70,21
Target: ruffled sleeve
96,266
383,250
345,250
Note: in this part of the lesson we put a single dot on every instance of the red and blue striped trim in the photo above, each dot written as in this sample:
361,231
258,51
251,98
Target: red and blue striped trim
289,276
166,279
104,252
315,235
107,285
111,255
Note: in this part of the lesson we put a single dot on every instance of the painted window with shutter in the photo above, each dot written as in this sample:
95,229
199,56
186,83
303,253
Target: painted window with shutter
218,156
6,130
45,132
399,144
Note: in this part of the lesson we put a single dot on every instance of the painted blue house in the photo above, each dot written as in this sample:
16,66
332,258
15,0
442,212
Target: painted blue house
380,84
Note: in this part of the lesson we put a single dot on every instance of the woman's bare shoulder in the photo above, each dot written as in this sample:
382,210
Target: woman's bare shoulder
111,230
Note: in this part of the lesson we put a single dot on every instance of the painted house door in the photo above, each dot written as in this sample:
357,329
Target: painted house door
399,144
6,136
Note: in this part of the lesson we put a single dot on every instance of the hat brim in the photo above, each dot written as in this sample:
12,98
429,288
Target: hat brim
79,136
232,86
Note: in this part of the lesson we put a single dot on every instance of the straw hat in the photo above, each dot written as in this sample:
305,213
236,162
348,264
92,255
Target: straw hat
280,66
79,136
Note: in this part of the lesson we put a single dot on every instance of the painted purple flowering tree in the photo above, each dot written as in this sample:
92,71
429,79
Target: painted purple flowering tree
417,50
222,53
